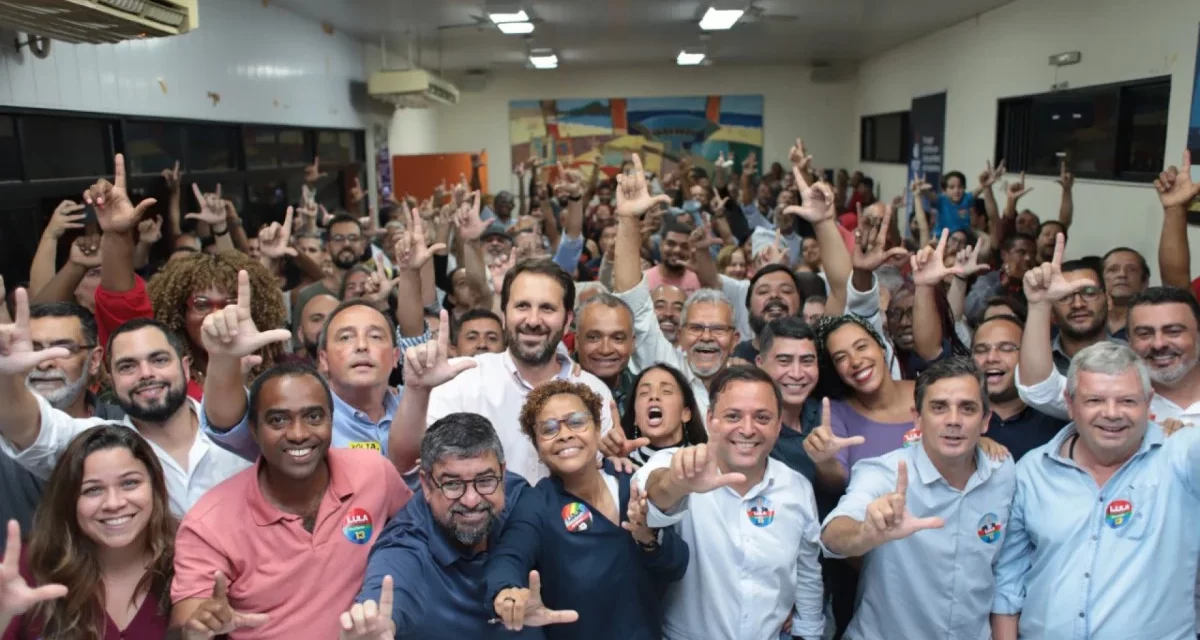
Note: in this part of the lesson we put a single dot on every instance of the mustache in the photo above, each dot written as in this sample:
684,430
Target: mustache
532,330
460,510
52,375
150,383
1165,351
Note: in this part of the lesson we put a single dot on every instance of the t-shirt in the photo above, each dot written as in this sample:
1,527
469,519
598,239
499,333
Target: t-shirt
655,276
953,216
881,437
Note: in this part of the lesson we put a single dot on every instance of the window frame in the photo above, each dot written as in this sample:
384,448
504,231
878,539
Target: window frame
871,154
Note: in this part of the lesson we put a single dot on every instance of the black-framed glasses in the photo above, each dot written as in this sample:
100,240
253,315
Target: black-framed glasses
577,421
69,345
1089,294
340,238
455,489
717,330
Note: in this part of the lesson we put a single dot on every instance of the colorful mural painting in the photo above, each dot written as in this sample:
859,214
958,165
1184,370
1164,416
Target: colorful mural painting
604,132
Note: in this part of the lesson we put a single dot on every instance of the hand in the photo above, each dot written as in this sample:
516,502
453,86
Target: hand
230,332
1066,179
968,258
870,238
524,607
993,449
16,596
614,444
477,159
888,517
718,204
821,444
150,230
85,252
695,469
918,187
427,366
1175,187
371,621
801,160
771,254
633,193
723,162
274,241
64,219
750,163
411,250
1017,189
216,617
817,201
357,195
114,210
1045,283
990,175
635,515
570,180
929,264
701,238
212,211
470,225
312,173
173,178
380,286
1172,425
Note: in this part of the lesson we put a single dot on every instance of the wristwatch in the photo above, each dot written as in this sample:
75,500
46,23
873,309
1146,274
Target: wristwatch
221,232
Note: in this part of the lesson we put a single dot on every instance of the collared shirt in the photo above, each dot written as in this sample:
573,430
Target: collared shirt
302,580
1062,361
1025,431
651,347
947,572
1083,562
623,389
439,586
753,558
789,448
352,428
207,466
495,390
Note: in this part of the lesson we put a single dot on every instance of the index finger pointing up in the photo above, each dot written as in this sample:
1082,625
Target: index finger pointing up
22,304
901,477
444,332
386,598
119,171
826,421
1060,243
243,299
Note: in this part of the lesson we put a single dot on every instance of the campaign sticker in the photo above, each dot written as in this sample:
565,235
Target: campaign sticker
372,445
912,436
989,528
1118,513
761,512
358,526
577,517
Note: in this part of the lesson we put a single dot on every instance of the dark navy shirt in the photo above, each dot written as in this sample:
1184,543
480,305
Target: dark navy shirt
789,449
1025,431
439,586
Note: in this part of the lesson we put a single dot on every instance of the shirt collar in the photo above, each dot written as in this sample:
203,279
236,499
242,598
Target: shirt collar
391,401
564,372
928,474
1154,437
341,487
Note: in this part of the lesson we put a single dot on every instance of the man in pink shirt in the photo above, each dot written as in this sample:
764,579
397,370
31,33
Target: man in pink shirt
255,555
676,254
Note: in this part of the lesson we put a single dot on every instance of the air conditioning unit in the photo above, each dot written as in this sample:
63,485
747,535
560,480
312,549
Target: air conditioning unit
100,21
413,88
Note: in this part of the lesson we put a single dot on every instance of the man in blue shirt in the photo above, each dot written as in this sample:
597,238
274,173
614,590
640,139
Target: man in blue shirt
435,549
1102,538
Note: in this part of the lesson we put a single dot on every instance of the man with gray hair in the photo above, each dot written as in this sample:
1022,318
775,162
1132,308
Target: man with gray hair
604,343
1101,541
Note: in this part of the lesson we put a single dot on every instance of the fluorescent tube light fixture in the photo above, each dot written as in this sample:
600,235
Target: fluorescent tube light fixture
517,28
720,19
501,18
689,58
543,59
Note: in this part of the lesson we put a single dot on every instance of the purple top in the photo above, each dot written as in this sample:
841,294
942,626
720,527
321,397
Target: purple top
882,437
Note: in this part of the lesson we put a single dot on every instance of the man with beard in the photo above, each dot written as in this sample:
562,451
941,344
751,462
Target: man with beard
312,320
668,302
1046,234
346,244
1081,317
1125,274
676,253
433,552
604,344
774,293
148,368
537,298
64,383
1017,255
501,210
477,331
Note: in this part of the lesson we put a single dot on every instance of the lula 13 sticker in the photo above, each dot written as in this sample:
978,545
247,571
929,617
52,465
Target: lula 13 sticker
1118,513
358,526
577,518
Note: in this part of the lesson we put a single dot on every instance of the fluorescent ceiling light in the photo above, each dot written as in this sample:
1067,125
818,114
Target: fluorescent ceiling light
720,19
501,18
516,27
687,58
544,61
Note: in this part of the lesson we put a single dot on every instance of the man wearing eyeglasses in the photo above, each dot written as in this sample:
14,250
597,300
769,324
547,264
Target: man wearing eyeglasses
346,245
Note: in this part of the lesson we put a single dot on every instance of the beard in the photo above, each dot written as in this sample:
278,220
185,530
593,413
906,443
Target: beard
758,322
1087,332
1175,374
160,411
1004,395
468,535
65,395
341,262
537,355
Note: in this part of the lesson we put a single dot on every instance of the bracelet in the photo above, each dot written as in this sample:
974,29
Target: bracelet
648,546
961,278
574,198
222,232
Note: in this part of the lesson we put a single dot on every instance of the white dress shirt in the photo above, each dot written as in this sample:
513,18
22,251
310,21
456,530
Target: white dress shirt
208,465
752,558
495,390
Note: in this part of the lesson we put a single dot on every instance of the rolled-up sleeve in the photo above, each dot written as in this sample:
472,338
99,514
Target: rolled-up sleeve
56,430
1015,560
651,346
1046,396
237,439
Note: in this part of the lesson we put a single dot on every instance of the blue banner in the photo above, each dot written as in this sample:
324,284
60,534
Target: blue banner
927,122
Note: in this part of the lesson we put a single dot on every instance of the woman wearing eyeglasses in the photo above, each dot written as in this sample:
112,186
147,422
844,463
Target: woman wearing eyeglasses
581,533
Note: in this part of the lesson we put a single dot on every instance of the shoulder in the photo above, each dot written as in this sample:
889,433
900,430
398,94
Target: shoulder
364,467
788,478
882,467
409,527
595,384
222,502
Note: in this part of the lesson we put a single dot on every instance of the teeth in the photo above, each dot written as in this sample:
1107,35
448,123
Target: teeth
863,376
299,453
116,522
568,452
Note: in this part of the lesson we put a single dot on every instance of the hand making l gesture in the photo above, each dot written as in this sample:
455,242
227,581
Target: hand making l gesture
230,331
821,444
695,469
519,608
370,620
633,193
114,210
817,201
870,239
17,355
216,616
1175,187
1045,284
636,514
16,596
888,517
428,365
929,264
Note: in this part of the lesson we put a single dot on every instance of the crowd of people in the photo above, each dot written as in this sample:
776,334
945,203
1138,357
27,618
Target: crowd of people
714,404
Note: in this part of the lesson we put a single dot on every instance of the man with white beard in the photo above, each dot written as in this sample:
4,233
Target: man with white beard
64,382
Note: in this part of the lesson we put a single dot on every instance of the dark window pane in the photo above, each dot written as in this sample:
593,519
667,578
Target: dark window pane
151,147
337,146
211,147
65,147
262,151
294,147
10,161
867,142
1145,127
890,140
1082,124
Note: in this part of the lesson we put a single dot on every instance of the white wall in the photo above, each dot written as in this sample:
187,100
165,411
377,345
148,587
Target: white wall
793,106
267,64
1004,53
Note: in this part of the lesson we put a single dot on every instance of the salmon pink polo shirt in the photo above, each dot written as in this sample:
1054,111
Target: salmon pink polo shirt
303,581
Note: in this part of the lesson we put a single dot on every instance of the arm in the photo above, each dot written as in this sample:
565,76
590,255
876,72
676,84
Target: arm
809,600
394,555
1012,565
1066,208
510,561
1005,627
927,324
1175,192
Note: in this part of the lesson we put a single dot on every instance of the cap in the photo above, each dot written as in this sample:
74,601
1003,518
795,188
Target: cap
495,229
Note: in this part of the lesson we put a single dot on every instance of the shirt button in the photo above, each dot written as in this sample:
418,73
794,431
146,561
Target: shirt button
1101,499
1087,576
1081,615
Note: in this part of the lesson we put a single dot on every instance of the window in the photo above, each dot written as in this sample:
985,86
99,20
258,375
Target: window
1108,132
262,148
295,147
151,147
211,148
336,146
885,138
65,147
10,157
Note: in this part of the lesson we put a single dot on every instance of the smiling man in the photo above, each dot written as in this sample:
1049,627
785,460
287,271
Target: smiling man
668,308
604,343
1125,275
477,331
789,356
774,293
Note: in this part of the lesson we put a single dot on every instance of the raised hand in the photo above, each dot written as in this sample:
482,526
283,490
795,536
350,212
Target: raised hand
929,264
633,193
614,444
1175,187
470,225
821,444
1045,283
312,173
65,218
991,175
817,201
370,224
1066,179
888,517
274,241
718,204
870,239
968,258
427,365
635,515
85,252
519,608
411,249
357,194
16,596
231,332
114,210
216,617
211,209
371,620
695,469
750,163
150,230
701,238
800,158
173,178
17,355
379,285
919,186
1017,190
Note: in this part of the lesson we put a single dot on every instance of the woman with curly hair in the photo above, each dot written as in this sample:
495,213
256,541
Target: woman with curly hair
102,546
567,543
191,287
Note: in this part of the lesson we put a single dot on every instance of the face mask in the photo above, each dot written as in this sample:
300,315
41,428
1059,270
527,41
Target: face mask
692,206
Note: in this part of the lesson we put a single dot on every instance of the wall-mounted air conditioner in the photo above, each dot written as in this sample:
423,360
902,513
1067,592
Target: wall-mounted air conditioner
99,21
413,88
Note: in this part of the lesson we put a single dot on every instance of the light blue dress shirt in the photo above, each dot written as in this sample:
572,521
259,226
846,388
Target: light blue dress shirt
1083,562
937,584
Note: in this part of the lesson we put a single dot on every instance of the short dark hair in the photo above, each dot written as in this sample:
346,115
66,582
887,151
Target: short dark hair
788,327
1014,238
1016,305
543,267
285,370
1062,228
741,373
1004,317
87,321
137,324
810,285
1084,264
341,218
671,225
1141,260
766,271
474,314
459,435
815,300
694,430
953,174
348,304
955,367
1165,295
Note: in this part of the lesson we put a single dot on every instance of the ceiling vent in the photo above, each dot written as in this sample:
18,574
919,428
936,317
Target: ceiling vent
413,88
100,21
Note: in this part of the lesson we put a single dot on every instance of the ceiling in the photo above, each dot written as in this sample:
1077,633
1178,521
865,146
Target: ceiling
444,34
